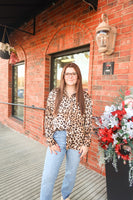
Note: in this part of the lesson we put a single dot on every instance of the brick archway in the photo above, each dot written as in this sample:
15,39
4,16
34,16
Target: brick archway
21,53
67,36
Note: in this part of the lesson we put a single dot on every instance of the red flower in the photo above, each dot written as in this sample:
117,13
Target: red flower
128,92
125,141
115,128
100,120
105,136
103,146
119,113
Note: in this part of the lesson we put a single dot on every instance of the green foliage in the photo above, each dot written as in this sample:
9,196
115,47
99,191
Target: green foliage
130,143
117,100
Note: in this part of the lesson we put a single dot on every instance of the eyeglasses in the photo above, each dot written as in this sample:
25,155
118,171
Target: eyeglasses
70,74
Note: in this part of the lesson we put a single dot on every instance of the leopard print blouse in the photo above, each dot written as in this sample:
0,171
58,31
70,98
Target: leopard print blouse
69,118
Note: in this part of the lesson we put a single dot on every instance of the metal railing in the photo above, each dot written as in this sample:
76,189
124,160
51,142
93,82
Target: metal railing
95,129
25,106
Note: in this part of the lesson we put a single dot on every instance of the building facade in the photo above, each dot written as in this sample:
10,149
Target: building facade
65,32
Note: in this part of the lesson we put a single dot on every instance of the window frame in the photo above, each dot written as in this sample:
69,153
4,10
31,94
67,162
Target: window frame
13,73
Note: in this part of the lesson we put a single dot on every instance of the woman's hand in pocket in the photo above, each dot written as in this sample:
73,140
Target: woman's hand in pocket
54,149
83,151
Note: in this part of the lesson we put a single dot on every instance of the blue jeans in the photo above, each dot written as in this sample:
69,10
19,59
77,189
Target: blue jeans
52,166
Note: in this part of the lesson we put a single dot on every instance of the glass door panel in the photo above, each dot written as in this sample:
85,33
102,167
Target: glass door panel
81,59
18,89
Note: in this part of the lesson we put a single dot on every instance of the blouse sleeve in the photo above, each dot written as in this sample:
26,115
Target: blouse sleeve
88,121
49,130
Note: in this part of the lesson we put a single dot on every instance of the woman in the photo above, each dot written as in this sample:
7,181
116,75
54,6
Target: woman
67,129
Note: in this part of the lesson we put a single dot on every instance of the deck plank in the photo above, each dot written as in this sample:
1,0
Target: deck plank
21,166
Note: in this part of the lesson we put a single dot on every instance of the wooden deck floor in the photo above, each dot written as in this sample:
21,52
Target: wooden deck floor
21,166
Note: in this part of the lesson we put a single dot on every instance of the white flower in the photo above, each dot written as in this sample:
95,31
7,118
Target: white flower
129,103
110,109
129,129
107,119
120,106
124,137
129,125
124,128
4,47
113,121
129,113
115,136
107,108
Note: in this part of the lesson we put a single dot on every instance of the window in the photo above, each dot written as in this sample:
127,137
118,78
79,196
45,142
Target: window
18,90
79,56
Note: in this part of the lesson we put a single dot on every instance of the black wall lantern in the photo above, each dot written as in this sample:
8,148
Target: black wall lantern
92,4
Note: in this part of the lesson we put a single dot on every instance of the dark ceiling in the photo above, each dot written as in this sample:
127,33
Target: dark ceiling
14,13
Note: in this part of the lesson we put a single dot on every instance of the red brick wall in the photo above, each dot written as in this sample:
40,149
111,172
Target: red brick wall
66,25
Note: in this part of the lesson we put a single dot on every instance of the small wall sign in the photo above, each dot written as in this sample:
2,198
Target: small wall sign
108,68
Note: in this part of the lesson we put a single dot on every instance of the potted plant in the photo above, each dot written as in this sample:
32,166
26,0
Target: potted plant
4,50
4,47
115,136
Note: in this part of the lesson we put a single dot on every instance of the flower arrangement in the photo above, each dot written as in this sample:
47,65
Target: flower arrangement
8,52
4,50
115,132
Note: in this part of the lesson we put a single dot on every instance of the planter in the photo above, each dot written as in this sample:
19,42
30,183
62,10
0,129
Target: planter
4,54
117,182
4,50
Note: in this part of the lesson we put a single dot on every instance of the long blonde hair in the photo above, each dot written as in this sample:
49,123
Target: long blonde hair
79,89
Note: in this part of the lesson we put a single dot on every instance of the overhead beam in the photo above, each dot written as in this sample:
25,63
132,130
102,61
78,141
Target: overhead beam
12,28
